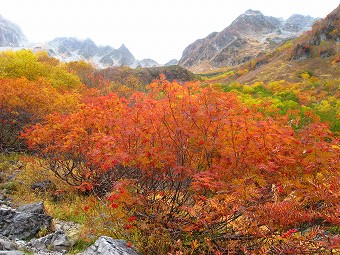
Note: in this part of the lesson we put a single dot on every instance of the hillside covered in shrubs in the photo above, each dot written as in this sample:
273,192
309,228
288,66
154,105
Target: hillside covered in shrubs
175,167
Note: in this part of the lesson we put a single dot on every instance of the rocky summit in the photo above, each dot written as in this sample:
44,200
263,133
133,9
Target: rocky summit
72,49
246,37
69,49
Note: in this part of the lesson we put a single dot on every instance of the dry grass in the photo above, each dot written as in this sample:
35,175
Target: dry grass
63,202
287,70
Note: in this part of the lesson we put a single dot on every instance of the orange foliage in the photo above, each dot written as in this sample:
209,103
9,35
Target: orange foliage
196,161
23,102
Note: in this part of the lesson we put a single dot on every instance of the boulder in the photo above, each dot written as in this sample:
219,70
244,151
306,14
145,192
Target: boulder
109,246
14,252
57,241
71,229
7,245
37,208
43,186
25,222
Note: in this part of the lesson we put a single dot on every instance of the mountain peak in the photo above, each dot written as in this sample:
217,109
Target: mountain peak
147,62
252,12
123,47
88,40
247,36
298,22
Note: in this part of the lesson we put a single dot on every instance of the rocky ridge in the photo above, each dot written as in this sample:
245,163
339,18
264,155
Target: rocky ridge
246,37
172,62
322,41
69,49
316,50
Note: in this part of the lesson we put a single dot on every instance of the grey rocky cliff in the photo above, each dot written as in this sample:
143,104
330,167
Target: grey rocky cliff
68,49
247,36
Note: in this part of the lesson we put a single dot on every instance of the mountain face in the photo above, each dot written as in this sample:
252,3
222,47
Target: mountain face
171,62
316,52
297,23
147,62
248,35
323,41
10,34
71,49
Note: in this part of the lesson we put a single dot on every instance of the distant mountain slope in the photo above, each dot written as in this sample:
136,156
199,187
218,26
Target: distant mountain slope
71,49
316,52
247,36
322,41
171,62
147,62
10,34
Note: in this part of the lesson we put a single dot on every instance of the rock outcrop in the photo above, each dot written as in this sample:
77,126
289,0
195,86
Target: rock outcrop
7,245
25,222
15,252
19,225
57,241
108,246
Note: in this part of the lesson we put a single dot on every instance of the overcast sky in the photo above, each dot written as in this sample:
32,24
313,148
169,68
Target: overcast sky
157,29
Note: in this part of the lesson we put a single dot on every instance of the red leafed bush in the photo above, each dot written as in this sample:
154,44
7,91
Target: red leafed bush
196,162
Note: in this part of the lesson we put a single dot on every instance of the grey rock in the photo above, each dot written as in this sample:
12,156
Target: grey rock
71,229
7,245
43,186
57,241
109,246
14,252
32,208
25,222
